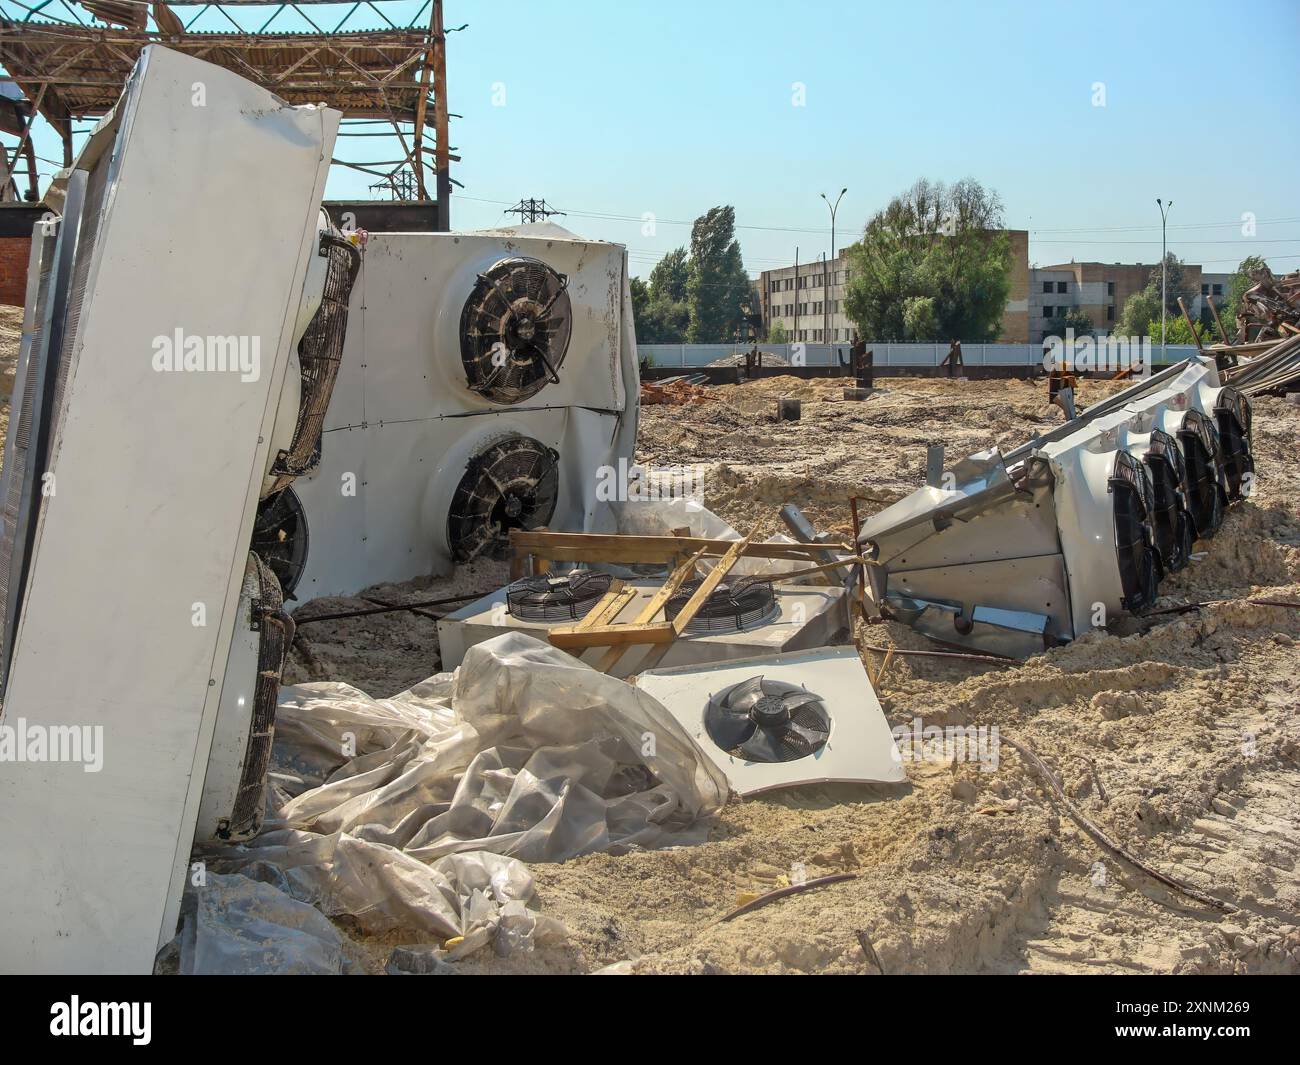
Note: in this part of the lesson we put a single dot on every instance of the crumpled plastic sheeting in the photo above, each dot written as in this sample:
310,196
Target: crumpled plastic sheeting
538,757
415,813
234,926
476,896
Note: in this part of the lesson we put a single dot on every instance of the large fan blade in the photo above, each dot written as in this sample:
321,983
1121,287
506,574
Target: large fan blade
745,695
793,700
727,728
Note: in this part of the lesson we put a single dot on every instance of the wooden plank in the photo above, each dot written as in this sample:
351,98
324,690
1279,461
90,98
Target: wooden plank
570,636
604,612
656,602
721,568
599,547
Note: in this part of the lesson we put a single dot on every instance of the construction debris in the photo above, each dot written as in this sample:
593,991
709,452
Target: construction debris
1265,354
677,391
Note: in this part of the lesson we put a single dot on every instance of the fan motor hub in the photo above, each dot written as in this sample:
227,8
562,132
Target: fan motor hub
768,711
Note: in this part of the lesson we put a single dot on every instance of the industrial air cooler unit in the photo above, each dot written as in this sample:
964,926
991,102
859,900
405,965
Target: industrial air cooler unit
182,315
1072,529
486,379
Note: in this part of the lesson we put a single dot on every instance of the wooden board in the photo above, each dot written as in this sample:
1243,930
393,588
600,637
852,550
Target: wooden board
720,570
570,636
676,579
664,550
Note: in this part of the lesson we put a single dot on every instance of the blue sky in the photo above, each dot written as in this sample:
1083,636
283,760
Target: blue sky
617,109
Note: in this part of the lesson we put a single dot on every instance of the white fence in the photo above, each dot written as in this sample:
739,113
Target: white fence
694,355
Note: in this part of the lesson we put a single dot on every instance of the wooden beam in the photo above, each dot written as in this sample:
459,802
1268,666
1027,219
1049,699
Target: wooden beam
720,569
570,637
665,550
656,602
605,611
442,165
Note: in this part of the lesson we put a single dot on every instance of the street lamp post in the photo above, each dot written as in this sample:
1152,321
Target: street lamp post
1164,266
834,207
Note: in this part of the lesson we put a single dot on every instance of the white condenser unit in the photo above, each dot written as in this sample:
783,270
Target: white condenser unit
486,379
1017,552
184,318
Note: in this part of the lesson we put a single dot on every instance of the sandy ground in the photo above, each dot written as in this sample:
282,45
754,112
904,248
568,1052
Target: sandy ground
1178,735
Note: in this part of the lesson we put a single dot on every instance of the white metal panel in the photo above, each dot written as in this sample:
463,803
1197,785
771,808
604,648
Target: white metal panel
404,326
207,228
860,749
402,425
807,616
395,525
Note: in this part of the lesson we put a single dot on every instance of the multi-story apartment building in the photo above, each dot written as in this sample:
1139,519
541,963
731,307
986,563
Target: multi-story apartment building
1099,290
809,301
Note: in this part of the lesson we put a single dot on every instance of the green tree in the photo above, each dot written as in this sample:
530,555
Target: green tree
919,320
1138,311
778,334
937,242
1176,285
660,308
1074,319
718,293
1177,331
669,276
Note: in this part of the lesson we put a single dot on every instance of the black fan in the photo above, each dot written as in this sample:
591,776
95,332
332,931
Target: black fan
514,330
1133,502
1170,522
731,607
511,485
764,720
1203,458
1232,412
280,537
548,598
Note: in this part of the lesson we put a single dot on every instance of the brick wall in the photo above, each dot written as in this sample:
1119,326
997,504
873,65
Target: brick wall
17,220
14,253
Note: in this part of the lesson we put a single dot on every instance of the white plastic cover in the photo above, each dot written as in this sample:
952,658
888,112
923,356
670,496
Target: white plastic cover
414,813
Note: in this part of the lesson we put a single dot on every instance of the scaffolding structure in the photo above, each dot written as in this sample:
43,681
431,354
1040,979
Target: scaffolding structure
70,62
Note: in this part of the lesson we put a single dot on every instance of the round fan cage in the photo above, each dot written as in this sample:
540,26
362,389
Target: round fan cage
735,605
512,484
280,538
1170,522
1203,459
1233,415
1133,499
545,597
515,329
763,720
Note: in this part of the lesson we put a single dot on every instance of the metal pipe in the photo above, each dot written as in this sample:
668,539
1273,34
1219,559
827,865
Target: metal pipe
1164,256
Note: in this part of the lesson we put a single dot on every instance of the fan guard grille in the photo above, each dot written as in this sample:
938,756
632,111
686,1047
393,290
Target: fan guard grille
514,329
513,484
1204,463
280,538
1169,519
1232,411
547,598
1133,505
735,605
763,720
